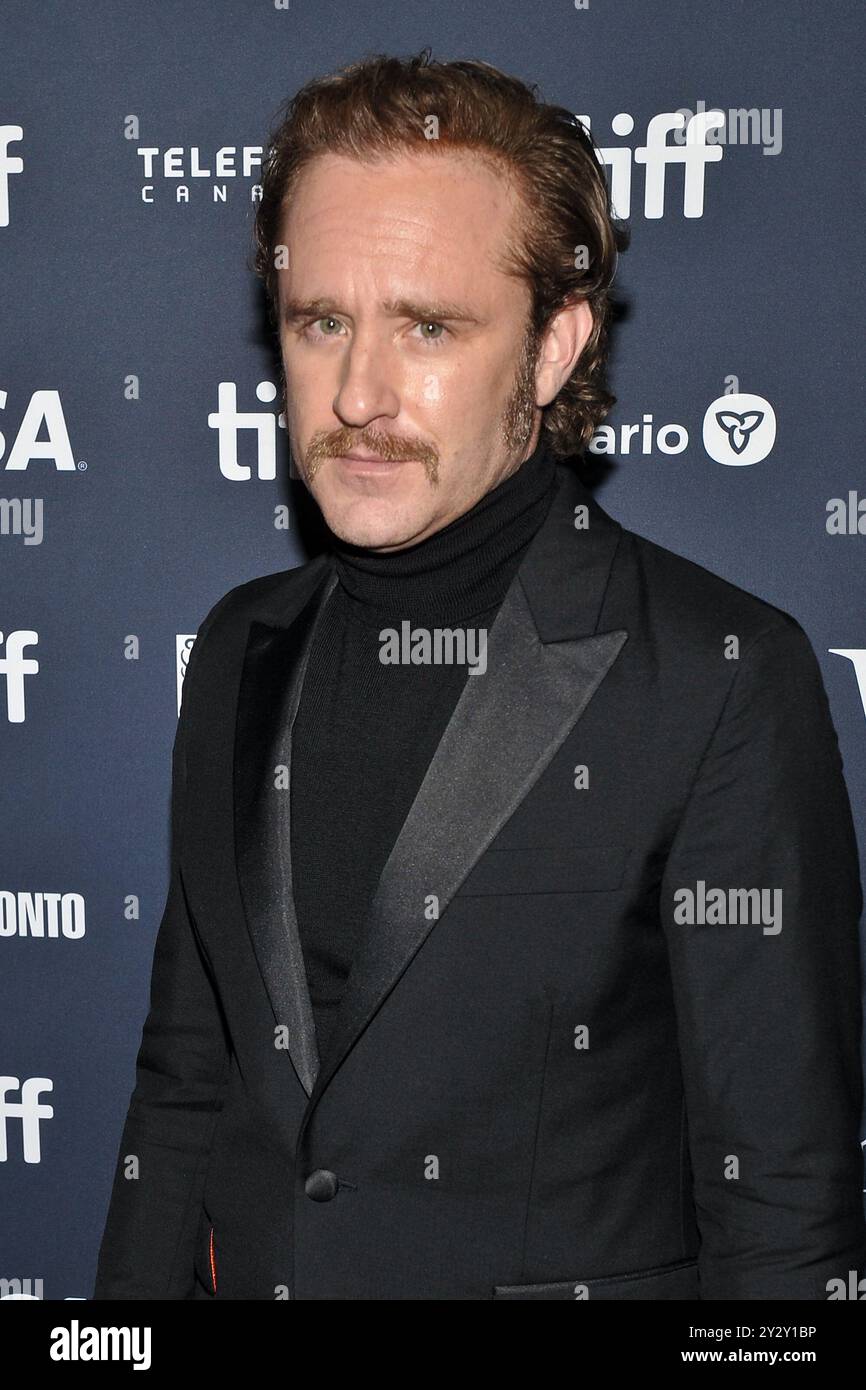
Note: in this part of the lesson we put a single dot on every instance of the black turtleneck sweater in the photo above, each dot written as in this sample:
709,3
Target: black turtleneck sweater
366,731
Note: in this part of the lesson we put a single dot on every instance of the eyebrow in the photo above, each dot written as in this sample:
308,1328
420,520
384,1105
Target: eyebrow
295,309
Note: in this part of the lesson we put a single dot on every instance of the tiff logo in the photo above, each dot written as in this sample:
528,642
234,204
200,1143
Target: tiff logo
29,1110
694,153
9,164
228,422
14,665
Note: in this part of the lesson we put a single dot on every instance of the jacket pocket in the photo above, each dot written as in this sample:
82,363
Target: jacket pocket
205,1255
673,1281
565,869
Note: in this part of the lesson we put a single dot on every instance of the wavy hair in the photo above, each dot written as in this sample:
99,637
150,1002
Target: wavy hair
569,240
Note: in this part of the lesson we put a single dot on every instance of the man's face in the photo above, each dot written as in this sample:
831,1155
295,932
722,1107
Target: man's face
410,383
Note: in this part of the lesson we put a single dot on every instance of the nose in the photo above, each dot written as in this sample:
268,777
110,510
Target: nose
366,389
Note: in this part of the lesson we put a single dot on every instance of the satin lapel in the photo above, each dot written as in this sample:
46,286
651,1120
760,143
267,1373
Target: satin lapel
274,664
506,727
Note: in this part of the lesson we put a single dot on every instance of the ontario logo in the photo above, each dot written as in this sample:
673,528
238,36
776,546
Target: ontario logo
738,429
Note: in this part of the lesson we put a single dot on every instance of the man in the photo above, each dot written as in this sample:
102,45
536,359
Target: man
511,943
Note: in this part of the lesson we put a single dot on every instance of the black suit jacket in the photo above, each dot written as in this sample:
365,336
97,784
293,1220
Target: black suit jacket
542,1082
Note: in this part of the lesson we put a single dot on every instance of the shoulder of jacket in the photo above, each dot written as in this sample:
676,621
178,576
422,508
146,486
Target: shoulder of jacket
698,605
261,597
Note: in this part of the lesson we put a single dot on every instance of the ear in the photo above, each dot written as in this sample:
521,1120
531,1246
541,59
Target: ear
563,342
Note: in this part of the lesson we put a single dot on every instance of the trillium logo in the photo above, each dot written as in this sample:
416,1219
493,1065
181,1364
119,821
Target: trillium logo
739,429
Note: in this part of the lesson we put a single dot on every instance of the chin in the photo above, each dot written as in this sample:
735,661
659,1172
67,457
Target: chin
372,524
373,535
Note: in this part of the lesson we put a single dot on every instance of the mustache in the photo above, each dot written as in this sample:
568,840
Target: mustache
389,447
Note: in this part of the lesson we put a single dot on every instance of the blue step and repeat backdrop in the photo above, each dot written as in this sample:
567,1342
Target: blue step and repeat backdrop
144,467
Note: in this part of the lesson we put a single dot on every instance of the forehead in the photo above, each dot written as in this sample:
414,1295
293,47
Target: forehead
446,218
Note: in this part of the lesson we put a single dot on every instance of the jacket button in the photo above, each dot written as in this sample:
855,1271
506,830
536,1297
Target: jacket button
321,1185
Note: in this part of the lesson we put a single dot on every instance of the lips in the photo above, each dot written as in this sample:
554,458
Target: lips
370,463
368,458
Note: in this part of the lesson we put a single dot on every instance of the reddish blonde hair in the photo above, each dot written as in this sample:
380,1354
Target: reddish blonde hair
381,106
